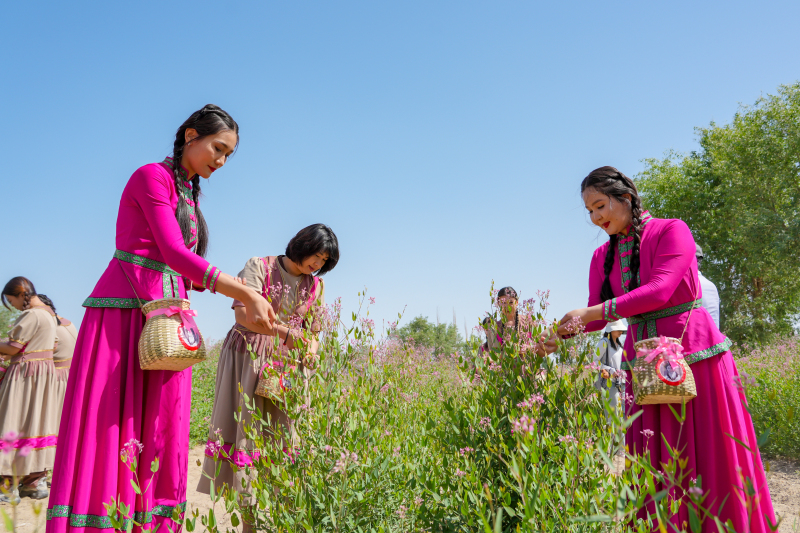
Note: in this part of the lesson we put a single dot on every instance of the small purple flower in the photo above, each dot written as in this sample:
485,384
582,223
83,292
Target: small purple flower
695,491
648,433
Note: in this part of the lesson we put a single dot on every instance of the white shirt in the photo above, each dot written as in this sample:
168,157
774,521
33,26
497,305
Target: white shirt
710,298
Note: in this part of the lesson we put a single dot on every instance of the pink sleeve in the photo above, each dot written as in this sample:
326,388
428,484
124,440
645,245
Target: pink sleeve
674,254
151,187
596,279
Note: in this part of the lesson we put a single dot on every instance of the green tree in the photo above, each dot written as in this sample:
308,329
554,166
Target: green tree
443,339
740,195
7,317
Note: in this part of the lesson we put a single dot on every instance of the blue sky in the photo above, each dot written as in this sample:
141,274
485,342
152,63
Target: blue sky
444,142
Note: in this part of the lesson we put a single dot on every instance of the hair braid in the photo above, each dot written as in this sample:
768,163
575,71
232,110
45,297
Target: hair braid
636,222
49,303
606,293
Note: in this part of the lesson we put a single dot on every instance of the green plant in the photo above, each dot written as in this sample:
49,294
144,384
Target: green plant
204,378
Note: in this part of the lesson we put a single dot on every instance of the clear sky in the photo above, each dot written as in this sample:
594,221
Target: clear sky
444,142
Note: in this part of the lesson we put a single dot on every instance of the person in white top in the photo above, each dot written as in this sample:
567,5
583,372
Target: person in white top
609,358
710,298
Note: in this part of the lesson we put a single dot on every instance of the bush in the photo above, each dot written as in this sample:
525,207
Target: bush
395,439
772,376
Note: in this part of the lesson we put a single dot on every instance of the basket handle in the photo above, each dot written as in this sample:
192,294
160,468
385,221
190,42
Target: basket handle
141,305
694,299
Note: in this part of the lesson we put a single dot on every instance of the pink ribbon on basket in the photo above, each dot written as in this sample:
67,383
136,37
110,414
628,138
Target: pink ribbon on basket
276,365
671,351
185,314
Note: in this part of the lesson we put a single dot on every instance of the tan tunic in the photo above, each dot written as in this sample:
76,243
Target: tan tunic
235,367
28,406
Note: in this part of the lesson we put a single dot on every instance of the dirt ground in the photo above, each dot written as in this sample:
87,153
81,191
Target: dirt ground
783,478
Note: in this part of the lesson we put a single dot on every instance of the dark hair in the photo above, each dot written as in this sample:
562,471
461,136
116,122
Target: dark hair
314,239
206,121
49,303
19,286
511,293
615,184
616,343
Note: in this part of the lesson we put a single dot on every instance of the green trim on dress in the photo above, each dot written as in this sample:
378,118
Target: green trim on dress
119,303
104,522
691,358
146,262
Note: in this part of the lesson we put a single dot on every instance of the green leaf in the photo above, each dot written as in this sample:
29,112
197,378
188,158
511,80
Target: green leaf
136,488
694,522
8,522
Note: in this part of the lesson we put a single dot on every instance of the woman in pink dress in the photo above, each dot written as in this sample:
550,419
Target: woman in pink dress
647,273
110,402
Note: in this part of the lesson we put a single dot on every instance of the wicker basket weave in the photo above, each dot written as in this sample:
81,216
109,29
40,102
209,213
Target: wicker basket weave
273,384
165,344
657,382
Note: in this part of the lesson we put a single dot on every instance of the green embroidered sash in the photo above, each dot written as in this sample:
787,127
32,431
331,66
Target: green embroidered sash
645,327
169,282
646,322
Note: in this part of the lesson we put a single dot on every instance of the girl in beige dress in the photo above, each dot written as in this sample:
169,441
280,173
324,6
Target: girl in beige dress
29,411
291,281
66,336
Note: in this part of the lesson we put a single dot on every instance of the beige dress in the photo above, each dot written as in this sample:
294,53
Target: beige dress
29,405
66,335
236,367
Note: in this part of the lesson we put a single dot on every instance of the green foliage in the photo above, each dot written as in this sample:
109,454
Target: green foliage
394,440
443,339
772,376
204,378
740,195
7,318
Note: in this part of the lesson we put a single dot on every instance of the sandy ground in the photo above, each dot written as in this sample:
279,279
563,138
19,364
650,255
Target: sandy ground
783,477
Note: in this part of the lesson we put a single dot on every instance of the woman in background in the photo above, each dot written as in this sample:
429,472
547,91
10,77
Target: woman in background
66,335
29,410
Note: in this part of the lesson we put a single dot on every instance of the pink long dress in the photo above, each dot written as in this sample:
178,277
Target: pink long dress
109,399
668,274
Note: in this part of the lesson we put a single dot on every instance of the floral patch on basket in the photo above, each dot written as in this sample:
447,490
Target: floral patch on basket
666,358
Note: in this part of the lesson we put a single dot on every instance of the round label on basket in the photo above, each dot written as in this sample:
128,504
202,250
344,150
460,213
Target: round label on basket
190,337
671,375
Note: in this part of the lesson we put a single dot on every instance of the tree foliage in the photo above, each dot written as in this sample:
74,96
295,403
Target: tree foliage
443,339
740,195
7,318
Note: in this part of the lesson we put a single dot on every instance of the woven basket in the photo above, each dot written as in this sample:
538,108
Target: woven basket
657,382
273,384
165,344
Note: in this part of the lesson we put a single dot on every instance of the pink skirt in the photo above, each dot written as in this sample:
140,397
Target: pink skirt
110,401
723,463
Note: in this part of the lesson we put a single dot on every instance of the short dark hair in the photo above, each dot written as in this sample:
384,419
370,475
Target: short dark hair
314,239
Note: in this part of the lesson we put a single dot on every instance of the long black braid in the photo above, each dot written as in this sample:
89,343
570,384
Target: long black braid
209,120
615,184
49,303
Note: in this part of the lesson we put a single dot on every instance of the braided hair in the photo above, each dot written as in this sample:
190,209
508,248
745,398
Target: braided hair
209,120
615,184
49,303
20,287
509,292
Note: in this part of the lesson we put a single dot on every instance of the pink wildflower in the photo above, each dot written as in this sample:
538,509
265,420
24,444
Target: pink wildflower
567,438
647,433
523,425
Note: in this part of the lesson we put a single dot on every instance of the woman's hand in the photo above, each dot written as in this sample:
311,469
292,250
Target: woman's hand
578,318
259,311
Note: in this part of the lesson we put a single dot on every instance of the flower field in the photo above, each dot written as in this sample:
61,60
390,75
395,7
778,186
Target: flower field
395,439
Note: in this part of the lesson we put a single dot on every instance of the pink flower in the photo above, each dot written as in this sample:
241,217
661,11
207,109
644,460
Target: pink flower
523,425
372,301
695,491
25,451
647,433
464,451
11,437
460,473
567,439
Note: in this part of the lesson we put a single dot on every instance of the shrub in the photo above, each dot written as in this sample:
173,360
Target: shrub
395,439
204,378
772,376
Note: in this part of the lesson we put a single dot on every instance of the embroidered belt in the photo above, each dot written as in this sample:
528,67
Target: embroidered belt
646,322
169,282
